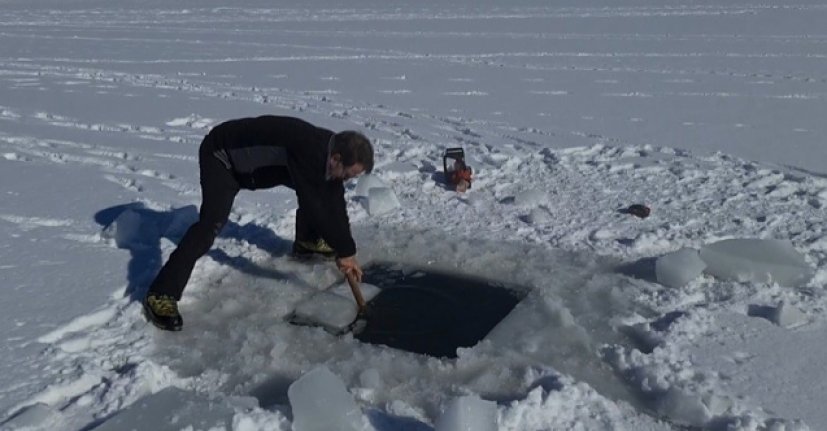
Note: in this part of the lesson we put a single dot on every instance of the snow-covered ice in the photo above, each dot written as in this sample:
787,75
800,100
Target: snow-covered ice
173,409
531,198
35,416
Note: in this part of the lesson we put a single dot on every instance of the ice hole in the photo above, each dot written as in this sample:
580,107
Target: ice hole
432,312
568,322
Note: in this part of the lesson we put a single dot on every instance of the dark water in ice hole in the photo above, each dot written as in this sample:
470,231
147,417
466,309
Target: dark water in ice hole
431,312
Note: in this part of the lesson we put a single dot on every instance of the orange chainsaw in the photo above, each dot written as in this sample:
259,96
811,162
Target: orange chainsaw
457,172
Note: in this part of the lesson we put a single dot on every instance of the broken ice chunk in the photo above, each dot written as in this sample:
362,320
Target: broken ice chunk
678,268
468,413
321,402
756,260
684,408
367,182
381,200
328,310
787,316
370,378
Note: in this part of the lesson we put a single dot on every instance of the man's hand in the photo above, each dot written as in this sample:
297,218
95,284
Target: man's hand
350,266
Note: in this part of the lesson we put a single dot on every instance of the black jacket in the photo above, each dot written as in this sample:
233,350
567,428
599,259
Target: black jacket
268,151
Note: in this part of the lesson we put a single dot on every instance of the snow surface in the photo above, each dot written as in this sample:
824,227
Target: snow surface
710,113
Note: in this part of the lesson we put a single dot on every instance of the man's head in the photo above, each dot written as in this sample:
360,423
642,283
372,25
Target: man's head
351,155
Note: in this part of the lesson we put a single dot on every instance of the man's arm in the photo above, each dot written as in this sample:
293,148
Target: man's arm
323,203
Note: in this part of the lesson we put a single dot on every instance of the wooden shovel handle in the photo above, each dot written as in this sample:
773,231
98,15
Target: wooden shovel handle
357,293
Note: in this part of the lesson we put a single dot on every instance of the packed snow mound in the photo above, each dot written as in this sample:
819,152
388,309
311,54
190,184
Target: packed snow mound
678,268
131,230
684,408
531,198
757,260
193,121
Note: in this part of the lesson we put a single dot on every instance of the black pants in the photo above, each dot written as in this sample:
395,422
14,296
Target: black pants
218,191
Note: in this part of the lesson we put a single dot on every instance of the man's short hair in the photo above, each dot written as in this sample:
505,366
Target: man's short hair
353,147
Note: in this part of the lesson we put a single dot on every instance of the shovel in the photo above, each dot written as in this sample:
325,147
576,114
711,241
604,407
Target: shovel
357,293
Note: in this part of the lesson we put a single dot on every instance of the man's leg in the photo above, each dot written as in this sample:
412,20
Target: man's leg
218,191
304,232
308,242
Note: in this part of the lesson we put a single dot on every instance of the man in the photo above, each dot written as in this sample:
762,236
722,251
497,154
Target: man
259,153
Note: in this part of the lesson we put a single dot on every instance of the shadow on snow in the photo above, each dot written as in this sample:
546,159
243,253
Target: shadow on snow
142,229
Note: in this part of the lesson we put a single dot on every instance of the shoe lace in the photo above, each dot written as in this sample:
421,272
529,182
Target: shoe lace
164,305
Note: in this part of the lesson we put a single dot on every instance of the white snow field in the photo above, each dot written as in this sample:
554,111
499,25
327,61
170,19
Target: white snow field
710,113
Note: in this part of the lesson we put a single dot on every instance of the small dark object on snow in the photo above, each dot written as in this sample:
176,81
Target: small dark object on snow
638,210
